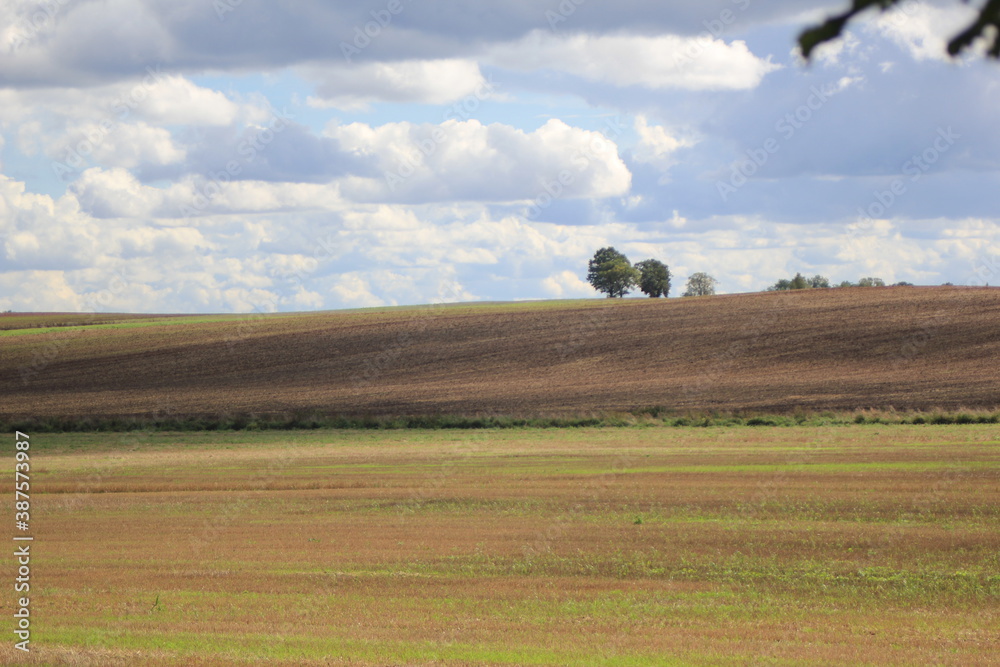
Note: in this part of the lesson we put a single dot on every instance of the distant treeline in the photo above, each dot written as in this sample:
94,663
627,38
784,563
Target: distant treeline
641,417
611,272
818,281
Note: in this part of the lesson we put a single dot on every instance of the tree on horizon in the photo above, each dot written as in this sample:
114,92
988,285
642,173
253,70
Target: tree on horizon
610,272
654,280
700,284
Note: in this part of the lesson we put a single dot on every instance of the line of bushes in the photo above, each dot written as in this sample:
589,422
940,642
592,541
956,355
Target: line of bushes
644,417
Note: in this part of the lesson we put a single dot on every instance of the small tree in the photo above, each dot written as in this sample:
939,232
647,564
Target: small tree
871,282
700,284
799,282
780,286
654,278
610,272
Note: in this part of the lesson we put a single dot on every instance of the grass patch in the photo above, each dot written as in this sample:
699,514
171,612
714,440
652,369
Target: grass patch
517,546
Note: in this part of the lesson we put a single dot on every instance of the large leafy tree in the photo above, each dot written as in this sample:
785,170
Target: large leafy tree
654,278
610,272
700,284
986,25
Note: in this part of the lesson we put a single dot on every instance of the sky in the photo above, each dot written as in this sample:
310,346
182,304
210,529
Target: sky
196,156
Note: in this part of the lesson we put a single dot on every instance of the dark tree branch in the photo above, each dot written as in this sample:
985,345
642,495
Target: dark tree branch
834,26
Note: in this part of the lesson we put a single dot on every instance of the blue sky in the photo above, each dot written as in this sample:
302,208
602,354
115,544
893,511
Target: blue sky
228,156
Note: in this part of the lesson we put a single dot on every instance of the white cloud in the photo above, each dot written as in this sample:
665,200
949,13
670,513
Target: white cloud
27,137
664,61
42,233
923,29
452,201
174,100
58,257
38,291
154,96
423,81
117,193
656,145
467,160
567,284
353,290
128,145
830,53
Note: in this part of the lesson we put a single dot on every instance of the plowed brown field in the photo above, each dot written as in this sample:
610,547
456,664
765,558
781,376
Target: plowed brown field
905,348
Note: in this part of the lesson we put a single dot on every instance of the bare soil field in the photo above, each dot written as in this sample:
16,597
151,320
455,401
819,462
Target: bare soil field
860,545
838,349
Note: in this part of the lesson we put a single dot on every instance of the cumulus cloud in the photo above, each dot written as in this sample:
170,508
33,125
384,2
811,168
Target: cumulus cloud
57,256
423,81
174,100
467,160
152,94
117,193
567,284
90,43
128,145
195,193
124,124
42,233
656,145
38,291
658,62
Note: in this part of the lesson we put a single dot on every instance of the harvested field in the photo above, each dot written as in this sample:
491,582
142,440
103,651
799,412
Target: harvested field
841,349
837,545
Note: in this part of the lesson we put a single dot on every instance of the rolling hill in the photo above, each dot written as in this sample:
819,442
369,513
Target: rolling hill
840,349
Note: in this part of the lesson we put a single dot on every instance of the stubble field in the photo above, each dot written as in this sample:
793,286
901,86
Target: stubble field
630,546
907,348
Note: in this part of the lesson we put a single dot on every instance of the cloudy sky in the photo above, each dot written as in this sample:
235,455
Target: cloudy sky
249,155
